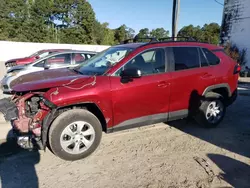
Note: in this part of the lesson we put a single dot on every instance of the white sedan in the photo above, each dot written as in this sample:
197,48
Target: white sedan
53,61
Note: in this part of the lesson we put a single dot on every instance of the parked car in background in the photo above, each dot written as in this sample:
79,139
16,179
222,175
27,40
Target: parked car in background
53,61
33,57
245,72
122,87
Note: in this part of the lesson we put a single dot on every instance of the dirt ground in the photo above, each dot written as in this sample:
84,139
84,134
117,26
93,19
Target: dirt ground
177,155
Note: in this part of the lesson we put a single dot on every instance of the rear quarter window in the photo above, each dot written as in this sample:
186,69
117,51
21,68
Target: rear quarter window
211,57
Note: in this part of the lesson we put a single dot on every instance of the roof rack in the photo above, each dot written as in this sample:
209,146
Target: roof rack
165,39
172,39
136,39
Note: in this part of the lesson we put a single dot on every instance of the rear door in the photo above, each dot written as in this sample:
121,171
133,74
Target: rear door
190,76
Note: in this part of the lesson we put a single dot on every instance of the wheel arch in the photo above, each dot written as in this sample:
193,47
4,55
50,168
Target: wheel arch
222,89
90,106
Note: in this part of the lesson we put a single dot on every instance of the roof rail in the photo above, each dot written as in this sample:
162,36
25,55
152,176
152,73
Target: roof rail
136,39
172,39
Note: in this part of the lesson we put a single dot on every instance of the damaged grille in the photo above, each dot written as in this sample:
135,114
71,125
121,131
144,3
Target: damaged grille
32,106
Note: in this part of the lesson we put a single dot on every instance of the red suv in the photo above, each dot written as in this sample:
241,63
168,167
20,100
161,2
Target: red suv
22,61
125,86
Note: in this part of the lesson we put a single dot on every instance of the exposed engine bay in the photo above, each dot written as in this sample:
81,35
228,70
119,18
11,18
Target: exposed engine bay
26,113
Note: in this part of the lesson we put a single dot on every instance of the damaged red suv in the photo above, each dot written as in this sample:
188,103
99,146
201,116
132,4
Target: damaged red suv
125,86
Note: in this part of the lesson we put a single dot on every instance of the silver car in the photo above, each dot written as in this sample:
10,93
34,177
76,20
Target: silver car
56,60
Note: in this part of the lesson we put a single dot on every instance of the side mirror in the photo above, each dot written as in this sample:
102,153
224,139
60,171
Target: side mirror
37,57
128,74
46,65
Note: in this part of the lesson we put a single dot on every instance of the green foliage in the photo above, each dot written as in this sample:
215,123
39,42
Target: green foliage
208,33
122,33
237,54
74,21
159,33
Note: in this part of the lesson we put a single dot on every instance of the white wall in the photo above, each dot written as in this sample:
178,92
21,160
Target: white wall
9,50
237,24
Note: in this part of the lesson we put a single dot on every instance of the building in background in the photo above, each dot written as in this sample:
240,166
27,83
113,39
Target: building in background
235,25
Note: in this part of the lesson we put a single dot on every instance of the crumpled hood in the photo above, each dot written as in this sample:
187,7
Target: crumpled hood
47,79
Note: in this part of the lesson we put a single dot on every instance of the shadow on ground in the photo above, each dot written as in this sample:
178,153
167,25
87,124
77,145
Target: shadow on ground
233,134
17,166
235,172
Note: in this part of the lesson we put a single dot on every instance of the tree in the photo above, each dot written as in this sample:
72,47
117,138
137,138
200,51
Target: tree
120,34
159,33
104,35
123,32
211,33
190,31
208,33
143,33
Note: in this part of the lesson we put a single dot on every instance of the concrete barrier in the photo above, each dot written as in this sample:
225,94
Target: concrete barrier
10,50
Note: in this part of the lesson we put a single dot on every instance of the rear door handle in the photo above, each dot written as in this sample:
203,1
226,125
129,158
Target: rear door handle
162,84
206,75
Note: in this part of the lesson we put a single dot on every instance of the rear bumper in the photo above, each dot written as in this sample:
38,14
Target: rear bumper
233,98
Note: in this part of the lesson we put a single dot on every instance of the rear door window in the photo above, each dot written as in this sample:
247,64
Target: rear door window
212,58
203,59
186,58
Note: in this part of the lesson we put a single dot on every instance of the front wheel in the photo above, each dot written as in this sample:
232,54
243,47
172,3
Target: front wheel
211,111
75,134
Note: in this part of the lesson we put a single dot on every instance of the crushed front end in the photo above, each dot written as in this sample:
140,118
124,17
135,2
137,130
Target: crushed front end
26,114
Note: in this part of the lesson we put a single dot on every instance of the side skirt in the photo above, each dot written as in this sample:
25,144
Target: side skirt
148,120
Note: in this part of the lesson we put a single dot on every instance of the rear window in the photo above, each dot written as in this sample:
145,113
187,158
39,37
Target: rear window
212,58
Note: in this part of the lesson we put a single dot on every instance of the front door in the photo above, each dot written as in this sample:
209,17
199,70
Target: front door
143,100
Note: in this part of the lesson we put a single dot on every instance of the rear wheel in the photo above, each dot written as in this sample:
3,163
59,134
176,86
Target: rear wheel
211,111
75,134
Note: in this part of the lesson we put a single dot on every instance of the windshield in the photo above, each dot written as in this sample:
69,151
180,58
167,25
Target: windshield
100,63
36,54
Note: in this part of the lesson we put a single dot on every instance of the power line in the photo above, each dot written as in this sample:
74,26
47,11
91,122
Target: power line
218,2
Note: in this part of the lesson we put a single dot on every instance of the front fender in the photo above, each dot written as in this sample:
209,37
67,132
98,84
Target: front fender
96,90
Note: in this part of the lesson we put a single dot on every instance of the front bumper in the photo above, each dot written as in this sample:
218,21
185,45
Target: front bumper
5,85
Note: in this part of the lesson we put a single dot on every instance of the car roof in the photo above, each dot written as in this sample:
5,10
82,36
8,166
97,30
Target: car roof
174,43
73,51
48,50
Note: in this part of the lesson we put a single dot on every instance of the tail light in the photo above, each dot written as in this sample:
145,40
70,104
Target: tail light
237,69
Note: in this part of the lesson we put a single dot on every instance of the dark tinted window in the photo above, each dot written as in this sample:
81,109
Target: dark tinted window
212,59
149,62
203,60
186,58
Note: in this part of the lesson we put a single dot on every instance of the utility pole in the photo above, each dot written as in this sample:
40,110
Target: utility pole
175,18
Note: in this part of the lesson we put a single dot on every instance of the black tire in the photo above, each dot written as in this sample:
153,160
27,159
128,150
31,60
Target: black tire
65,119
201,115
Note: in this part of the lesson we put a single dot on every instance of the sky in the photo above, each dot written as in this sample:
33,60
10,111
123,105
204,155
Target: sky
152,14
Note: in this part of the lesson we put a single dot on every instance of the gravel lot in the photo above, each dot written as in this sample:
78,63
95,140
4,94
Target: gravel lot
154,156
